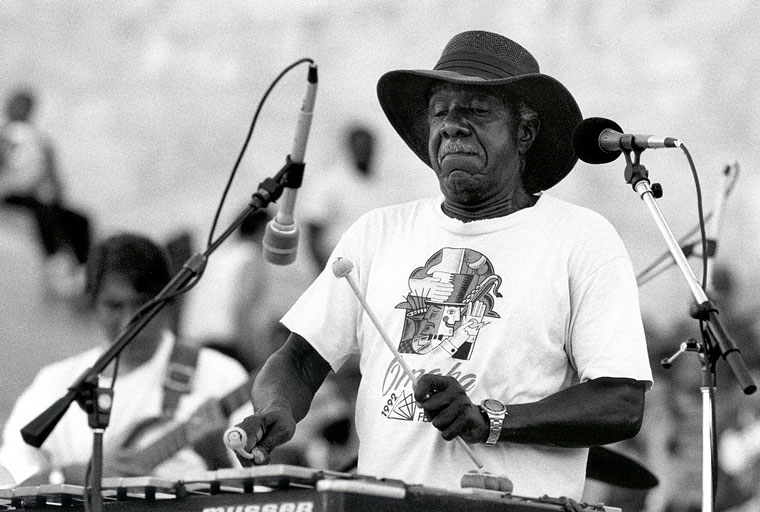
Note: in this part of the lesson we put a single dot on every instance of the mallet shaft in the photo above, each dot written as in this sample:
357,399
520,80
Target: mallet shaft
380,329
399,359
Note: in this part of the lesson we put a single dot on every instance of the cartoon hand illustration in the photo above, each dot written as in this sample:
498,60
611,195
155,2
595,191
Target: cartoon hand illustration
465,331
436,287
476,310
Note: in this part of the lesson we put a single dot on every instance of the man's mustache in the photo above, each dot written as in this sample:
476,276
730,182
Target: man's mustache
456,146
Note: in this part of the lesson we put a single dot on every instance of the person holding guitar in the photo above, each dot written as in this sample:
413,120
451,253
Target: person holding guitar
167,398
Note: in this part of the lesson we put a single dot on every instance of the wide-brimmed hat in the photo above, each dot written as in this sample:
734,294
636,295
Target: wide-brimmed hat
489,60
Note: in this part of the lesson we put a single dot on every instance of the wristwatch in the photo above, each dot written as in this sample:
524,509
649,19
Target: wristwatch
496,412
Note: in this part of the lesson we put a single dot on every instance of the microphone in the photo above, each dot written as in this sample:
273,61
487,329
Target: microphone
597,140
280,243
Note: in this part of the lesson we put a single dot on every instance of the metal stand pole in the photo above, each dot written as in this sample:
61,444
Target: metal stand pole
707,448
94,492
716,340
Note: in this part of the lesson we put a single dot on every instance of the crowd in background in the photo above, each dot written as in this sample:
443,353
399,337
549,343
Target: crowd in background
236,306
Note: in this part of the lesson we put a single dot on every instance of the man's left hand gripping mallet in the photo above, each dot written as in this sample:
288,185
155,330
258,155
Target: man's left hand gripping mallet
480,479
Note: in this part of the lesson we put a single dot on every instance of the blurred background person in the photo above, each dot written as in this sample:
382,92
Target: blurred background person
29,180
737,415
150,399
739,459
236,308
216,312
237,305
673,434
335,198
672,430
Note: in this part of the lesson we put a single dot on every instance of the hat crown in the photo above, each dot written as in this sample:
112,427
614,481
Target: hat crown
486,55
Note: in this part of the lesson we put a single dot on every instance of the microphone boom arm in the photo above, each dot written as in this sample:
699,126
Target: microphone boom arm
37,430
637,176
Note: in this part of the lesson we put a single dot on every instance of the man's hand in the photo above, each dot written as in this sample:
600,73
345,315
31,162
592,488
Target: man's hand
266,432
451,411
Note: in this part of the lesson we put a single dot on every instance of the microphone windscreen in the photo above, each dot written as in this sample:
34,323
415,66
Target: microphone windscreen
280,246
586,140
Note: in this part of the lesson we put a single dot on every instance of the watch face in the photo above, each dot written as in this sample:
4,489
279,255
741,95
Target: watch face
493,405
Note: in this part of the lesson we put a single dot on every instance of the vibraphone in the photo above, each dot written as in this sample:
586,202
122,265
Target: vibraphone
274,488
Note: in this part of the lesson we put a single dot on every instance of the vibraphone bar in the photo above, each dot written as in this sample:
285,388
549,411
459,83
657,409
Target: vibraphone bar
274,488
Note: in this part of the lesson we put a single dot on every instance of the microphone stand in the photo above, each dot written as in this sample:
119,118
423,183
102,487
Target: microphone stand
716,341
97,401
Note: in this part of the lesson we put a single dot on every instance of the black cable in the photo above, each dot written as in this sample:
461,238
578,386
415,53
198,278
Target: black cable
154,302
700,214
245,144
150,304
707,347
646,274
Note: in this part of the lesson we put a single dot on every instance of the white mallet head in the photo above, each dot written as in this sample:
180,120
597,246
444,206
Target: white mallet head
235,438
342,267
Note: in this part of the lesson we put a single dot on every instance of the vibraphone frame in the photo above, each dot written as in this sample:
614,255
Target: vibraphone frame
275,488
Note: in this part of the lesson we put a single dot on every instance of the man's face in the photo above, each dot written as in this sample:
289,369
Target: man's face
116,303
472,146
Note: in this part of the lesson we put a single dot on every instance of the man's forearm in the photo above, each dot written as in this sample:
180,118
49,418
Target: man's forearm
289,379
597,412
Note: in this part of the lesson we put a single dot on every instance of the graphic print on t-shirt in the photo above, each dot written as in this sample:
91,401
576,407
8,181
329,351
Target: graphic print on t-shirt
448,299
448,302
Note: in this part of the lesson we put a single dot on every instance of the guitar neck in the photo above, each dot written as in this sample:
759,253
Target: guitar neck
185,433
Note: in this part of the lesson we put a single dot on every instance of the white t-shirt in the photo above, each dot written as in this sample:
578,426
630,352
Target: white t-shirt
515,308
138,395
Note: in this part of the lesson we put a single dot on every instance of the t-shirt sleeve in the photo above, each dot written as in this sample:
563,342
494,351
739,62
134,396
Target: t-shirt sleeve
327,314
20,459
606,334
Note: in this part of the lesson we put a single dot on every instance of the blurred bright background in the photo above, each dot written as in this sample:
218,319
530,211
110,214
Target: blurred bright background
149,102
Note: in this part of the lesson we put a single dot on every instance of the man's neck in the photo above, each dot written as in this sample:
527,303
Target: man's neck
502,208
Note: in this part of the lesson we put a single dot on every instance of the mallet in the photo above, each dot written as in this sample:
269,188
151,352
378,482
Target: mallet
235,439
342,268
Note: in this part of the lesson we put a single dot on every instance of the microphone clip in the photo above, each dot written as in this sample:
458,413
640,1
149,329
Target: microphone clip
293,176
634,171
270,190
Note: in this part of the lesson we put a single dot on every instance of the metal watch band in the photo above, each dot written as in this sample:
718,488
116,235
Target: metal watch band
496,423
496,411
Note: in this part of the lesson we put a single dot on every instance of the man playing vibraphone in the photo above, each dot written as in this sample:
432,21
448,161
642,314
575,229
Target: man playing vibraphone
517,312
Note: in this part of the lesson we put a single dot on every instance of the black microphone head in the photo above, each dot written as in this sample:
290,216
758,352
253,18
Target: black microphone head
586,140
